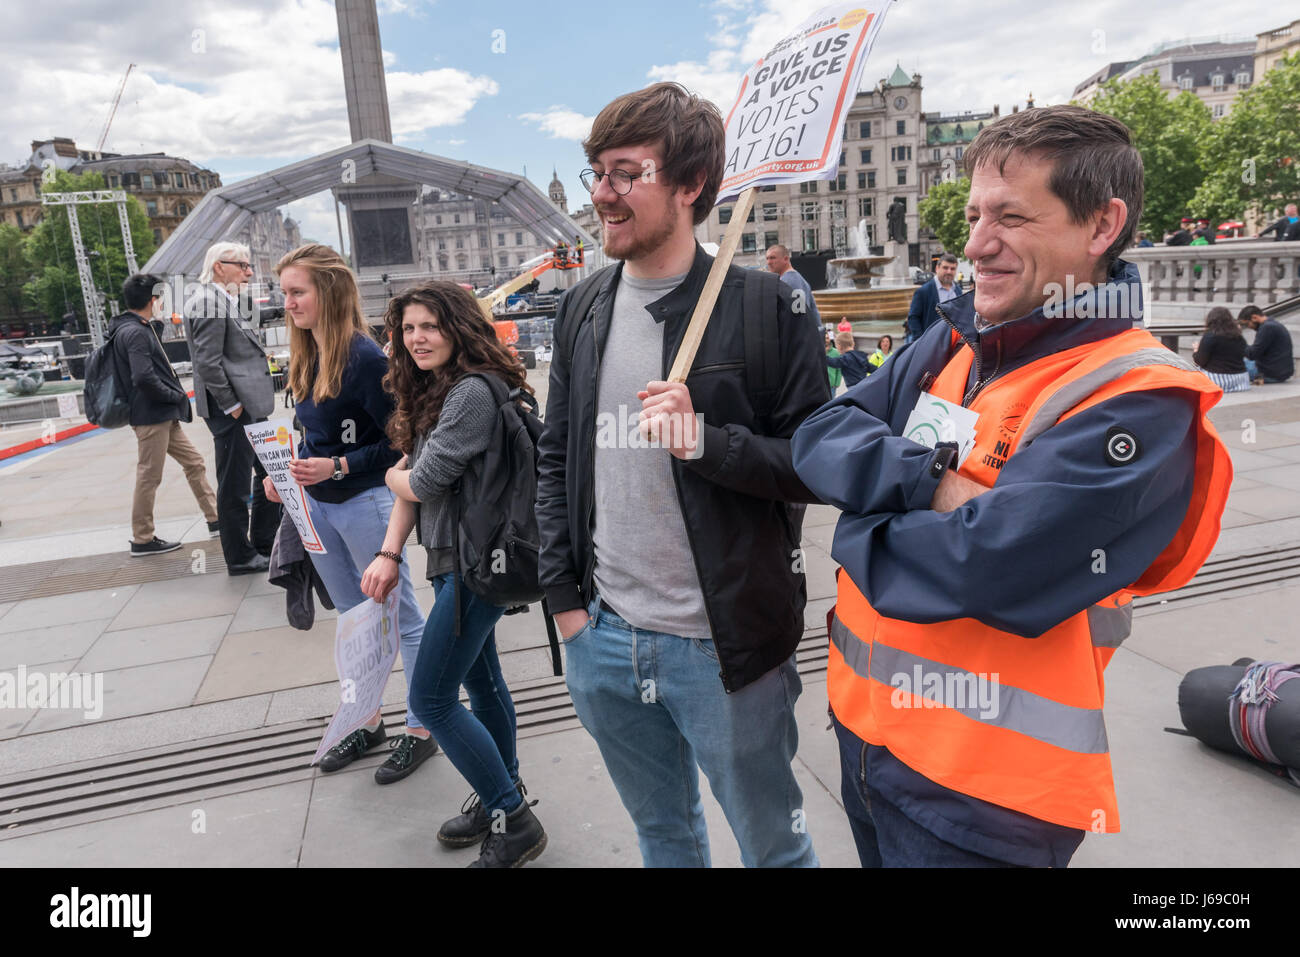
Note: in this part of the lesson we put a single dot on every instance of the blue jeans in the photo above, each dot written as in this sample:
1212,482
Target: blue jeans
885,836
480,742
656,707
1252,369
352,532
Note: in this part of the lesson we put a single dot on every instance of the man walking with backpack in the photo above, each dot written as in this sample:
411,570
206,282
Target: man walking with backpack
158,406
669,556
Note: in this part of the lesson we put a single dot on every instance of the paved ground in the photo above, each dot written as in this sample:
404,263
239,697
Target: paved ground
203,667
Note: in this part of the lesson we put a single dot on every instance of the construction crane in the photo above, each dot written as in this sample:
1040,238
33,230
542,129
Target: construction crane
113,109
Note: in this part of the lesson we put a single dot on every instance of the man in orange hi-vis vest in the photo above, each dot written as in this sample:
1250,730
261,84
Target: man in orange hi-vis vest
1009,482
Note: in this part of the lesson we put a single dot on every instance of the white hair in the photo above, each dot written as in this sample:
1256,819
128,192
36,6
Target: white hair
222,251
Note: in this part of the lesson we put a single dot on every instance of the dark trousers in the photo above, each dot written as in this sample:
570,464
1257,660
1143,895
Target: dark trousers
885,836
238,473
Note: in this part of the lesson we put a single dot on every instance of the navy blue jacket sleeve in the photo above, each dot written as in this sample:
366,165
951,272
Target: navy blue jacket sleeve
370,367
850,457
1060,530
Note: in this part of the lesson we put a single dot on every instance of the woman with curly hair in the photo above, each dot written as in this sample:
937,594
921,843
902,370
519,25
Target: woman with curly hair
1221,353
445,418
336,372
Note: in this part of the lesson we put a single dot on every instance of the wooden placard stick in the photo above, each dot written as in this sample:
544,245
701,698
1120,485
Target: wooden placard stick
712,286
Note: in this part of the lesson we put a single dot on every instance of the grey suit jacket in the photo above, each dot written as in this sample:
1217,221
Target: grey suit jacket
229,363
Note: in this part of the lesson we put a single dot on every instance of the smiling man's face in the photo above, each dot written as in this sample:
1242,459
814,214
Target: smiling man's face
638,223
1023,240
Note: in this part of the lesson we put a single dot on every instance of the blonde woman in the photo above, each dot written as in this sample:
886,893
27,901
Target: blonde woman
336,371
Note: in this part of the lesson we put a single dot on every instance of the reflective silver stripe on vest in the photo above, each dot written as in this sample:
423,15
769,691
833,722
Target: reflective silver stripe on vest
1072,393
979,697
1109,626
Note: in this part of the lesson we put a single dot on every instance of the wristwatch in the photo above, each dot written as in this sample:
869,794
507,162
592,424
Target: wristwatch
945,459
338,469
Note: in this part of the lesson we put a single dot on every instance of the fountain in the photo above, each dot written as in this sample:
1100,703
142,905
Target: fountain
868,288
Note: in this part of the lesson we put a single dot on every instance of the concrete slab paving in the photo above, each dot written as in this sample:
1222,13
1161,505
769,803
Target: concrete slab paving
1284,475
205,596
167,642
261,612
259,828
83,606
1249,460
130,691
1182,804
1270,502
36,645
270,660
1261,625
125,735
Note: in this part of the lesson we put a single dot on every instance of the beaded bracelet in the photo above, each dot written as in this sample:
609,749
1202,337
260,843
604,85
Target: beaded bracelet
393,555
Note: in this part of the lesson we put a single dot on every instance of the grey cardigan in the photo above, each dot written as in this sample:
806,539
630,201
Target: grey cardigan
451,453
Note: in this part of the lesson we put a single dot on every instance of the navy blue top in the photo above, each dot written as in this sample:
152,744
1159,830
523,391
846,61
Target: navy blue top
351,425
855,364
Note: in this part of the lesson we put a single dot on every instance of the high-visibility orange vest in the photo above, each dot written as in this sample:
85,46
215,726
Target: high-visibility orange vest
1010,720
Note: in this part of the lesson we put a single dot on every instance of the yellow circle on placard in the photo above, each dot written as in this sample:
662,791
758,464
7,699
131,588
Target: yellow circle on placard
282,435
852,18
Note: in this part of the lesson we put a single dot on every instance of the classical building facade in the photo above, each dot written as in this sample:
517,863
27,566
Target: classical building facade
268,237
168,187
879,163
472,240
1215,71
1272,46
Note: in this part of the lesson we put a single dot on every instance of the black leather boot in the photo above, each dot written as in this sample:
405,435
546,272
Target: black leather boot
470,826
514,845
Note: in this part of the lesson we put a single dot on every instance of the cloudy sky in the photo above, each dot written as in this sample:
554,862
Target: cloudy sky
244,86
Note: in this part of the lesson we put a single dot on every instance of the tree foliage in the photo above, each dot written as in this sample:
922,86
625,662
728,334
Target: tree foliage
14,271
1253,154
943,212
1170,134
49,253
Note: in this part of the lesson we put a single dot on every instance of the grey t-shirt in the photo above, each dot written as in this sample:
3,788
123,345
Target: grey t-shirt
644,567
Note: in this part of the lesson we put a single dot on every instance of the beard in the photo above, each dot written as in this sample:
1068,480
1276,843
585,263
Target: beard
642,241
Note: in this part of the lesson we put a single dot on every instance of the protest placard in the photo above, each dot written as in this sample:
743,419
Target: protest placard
786,126
276,445
365,645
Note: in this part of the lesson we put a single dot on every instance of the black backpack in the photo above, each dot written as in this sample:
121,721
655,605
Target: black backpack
108,401
497,540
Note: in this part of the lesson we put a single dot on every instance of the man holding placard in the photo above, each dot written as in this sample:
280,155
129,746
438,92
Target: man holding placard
668,553
1009,484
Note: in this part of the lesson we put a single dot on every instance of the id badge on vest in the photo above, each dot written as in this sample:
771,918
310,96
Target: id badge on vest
936,420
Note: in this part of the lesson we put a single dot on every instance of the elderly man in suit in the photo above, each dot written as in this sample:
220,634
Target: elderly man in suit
939,290
232,388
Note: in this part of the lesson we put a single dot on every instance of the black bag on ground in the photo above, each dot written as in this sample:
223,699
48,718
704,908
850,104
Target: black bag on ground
1204,701
108,401
497,540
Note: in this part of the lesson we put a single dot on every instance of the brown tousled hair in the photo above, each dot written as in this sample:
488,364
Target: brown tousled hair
688,127
1092,155
419,395
314,371
1219,322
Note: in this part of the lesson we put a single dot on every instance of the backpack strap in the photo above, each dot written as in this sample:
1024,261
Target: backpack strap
585,294
762,340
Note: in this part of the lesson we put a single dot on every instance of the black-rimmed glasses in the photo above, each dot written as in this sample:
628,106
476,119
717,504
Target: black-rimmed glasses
245,266
619,179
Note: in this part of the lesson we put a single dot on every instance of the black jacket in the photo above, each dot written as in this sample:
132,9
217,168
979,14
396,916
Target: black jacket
156,393
921,314
1223,355
1284,228
741,535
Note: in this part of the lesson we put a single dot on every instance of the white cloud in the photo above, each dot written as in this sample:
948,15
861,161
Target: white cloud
390,58
561,123
252,82
1020,47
